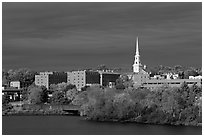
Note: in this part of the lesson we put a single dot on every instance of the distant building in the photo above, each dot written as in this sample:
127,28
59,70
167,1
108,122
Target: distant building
195,77
42,80
154,83
141,78
108,78
170,76
15,84
83,78
48,78
158,77
175,76
139,74
46,73
88,78
14,94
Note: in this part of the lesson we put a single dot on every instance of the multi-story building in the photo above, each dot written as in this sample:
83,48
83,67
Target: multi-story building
108,78
42,80
48,78
142,79
83,78
88,78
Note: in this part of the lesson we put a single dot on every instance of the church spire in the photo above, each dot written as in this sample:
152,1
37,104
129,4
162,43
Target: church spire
137,64
137,49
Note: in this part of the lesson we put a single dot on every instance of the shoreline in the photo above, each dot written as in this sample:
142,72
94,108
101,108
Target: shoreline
113,120
132,121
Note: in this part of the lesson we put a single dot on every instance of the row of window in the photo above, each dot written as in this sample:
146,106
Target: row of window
169,83
40,82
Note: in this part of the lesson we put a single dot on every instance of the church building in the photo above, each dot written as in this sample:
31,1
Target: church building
139,74
142,79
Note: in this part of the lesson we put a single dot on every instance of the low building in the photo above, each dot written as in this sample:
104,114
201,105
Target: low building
153,83
195,77
158,77
48,78
15,84
175,76
14,94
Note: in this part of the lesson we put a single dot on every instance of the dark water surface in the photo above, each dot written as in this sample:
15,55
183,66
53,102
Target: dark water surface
75,125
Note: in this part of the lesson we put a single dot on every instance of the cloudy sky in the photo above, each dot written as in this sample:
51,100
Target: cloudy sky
65,36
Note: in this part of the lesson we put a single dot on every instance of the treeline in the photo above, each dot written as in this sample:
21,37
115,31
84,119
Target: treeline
33,96
184,72
24,75
37,100
59,94
165,105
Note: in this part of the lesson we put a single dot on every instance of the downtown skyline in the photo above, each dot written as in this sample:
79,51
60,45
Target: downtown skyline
66,36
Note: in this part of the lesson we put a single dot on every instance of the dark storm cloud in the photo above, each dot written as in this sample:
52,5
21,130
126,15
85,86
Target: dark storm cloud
71,35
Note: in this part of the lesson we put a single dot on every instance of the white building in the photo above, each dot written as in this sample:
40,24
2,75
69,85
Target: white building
42,80
15,84
195,77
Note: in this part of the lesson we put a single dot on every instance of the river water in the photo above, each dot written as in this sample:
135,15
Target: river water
75,125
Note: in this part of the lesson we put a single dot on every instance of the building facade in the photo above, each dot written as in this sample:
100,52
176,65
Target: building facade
108,78
83,78
15,84
88,78
154,83
48,78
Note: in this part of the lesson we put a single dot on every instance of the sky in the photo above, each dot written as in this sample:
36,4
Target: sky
70,36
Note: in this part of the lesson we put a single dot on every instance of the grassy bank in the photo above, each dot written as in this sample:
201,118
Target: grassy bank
28,109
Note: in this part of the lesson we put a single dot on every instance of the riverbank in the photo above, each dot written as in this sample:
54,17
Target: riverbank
32,110
150,123
62,113
57,110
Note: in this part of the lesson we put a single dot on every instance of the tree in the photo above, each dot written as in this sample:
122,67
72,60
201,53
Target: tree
70,86
63,93
169,103
80,99
24,75
102,67
71,94
61,87
44,94
181,74
37,95
5,99
25,95
119,84
84,88
189,72
59,97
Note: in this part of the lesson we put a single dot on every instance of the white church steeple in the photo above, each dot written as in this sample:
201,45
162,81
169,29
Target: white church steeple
137,64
